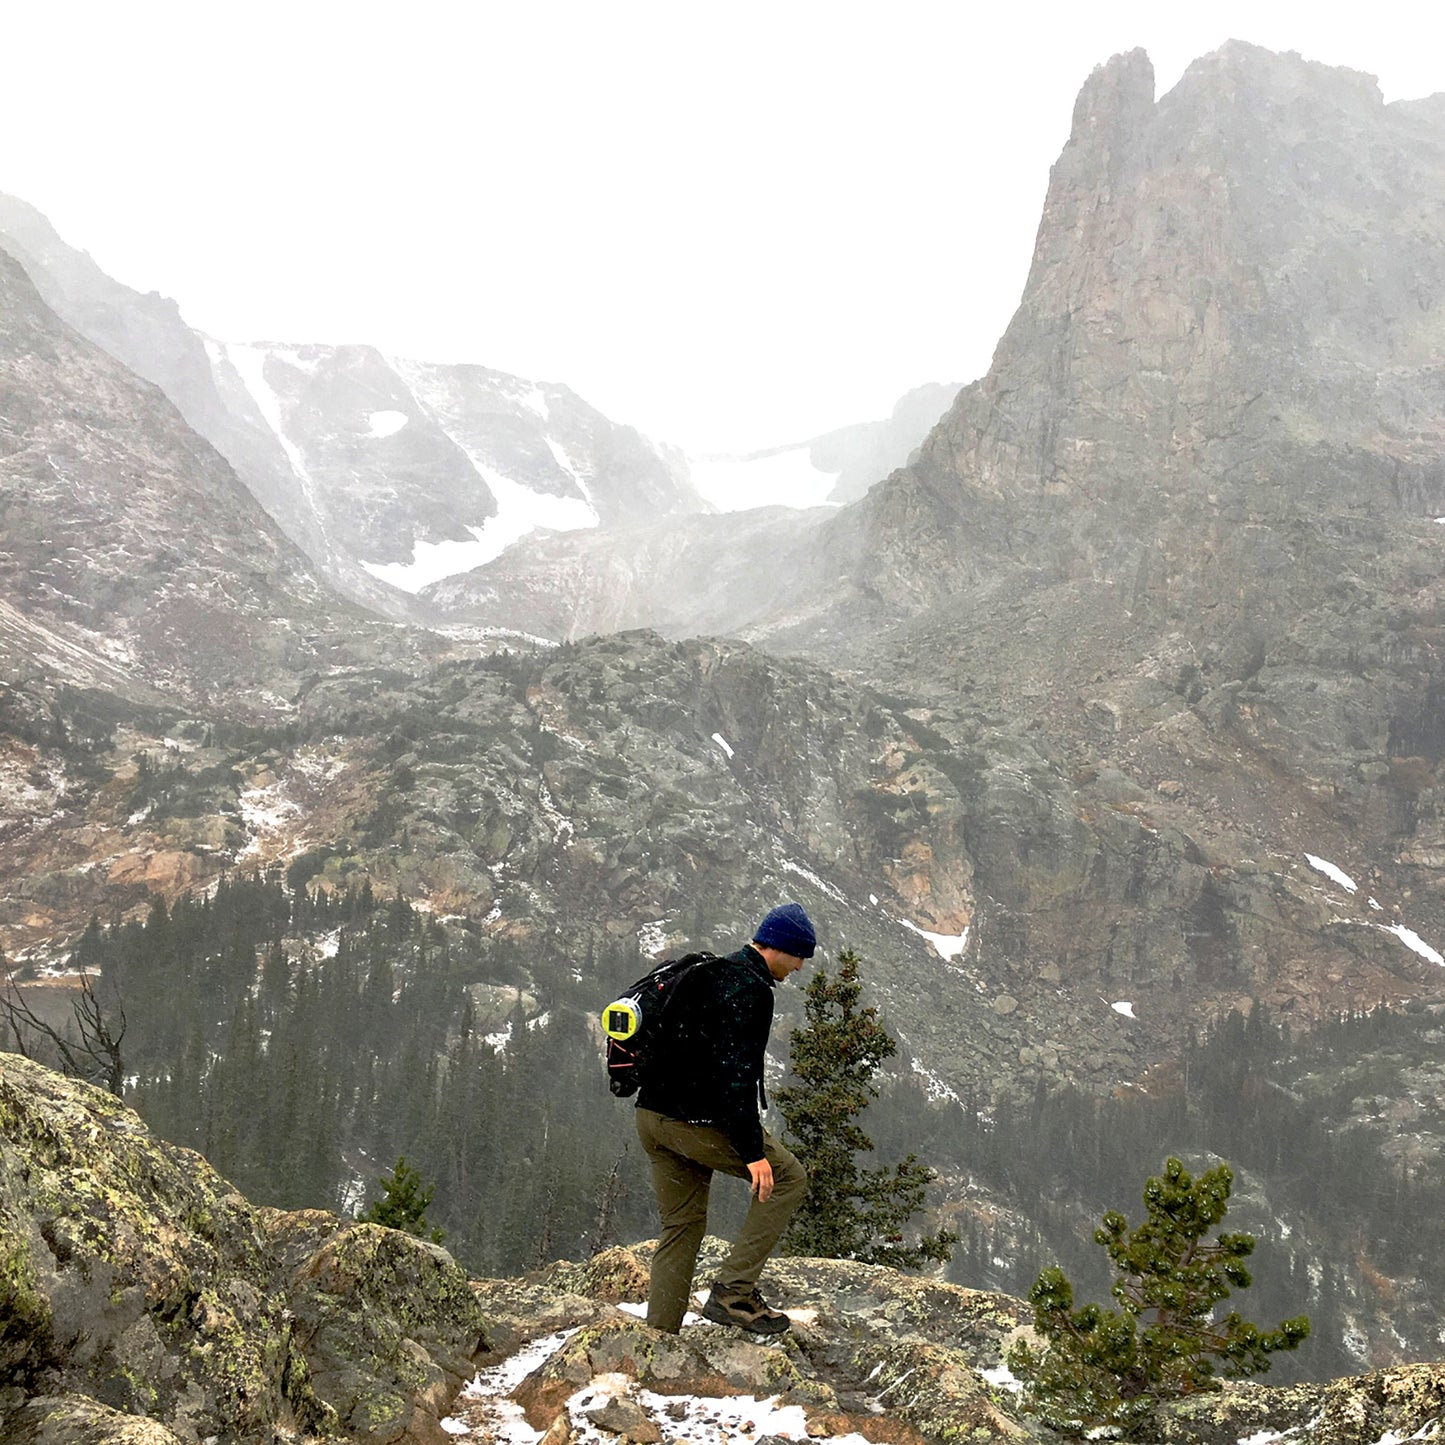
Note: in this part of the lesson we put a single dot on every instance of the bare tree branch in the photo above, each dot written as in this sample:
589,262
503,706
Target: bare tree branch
95,1057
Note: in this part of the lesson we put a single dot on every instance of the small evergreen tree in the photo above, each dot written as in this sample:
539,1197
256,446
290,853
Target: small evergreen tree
1097,1366
849,1212
403,1204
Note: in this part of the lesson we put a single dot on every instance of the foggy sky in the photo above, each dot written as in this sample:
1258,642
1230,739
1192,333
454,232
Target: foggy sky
732,226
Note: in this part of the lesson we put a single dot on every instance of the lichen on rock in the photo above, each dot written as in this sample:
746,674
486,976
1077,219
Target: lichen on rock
135,1275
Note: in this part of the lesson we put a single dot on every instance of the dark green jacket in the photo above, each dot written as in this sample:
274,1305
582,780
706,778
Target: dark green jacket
709,1067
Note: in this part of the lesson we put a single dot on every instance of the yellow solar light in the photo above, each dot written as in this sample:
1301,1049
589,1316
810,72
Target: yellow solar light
621,1020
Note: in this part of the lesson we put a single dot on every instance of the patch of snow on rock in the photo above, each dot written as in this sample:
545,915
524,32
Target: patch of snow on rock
250,365
265,812
1412,940
490,1412
1321,865
934,1088
1002,1378
789,866
520,510
723,743
387,423
947,945
652,937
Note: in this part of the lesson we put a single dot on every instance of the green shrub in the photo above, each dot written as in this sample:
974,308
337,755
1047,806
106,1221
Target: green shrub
1102,1366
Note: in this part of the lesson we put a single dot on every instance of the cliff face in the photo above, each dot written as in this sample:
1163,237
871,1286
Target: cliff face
146,1303
1234,312
1184,528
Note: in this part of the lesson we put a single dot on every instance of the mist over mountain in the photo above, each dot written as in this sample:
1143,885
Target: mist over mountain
1106,726
392,474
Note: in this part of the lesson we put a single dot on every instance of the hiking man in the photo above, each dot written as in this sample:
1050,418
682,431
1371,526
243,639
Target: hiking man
698,1112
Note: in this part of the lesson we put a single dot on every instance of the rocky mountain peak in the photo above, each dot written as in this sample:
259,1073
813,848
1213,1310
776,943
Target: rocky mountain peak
1113,105
1235,302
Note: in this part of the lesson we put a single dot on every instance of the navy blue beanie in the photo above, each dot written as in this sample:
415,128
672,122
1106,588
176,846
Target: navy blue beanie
789,930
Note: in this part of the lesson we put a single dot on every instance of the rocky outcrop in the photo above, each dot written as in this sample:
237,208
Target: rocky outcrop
871,1354
137,1283
680,576
144,1302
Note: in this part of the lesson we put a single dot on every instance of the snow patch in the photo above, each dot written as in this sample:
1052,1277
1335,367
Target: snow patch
722,742
432,561
1430,1430
1412,940
250,365
386,423
786,477
1002,1378
520,510
948,945
493,1388
564,460
652,937
265,813
1127,1009
934,1087
1320,865
788,866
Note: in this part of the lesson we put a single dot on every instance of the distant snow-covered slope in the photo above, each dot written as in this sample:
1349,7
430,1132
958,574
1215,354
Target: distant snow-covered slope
414,471
833,469
388,474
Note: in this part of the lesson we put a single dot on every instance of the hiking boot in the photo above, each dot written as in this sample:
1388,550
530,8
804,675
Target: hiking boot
744,1310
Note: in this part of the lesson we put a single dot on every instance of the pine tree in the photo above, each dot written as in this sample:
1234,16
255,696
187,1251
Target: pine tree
403,1204
849,1212
1097,1366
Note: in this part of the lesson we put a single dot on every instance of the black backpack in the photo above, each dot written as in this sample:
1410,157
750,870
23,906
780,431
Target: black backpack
635,1021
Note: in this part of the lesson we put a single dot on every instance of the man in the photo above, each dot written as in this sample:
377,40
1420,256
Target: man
698,1113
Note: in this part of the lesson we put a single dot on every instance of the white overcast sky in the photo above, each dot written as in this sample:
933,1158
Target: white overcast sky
732,225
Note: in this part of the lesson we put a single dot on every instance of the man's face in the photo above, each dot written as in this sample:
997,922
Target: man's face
780,965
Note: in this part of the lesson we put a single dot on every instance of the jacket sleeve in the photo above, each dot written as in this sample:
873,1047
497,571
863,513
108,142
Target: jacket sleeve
741,1057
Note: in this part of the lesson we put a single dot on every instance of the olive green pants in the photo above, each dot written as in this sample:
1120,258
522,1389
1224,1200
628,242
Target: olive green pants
684,1158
